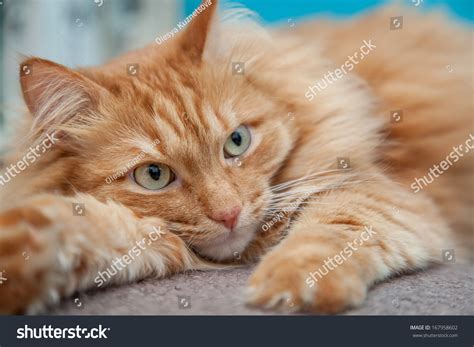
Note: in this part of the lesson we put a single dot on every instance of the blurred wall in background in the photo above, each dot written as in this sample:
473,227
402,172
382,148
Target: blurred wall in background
73,33
88,32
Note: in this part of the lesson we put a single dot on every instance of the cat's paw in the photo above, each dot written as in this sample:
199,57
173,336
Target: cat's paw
280,283
28,260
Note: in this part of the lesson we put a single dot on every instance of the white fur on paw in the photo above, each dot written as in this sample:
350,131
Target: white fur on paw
283,301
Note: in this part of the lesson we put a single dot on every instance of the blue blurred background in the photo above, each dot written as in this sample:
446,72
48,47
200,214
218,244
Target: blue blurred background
278,10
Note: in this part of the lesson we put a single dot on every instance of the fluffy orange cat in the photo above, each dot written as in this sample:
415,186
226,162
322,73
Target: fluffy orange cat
229,144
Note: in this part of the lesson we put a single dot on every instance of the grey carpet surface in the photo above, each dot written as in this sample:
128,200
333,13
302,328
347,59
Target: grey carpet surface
442,290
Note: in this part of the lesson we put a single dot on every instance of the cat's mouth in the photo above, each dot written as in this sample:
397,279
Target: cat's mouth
226,246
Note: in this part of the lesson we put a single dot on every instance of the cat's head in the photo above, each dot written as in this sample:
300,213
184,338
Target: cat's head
186,130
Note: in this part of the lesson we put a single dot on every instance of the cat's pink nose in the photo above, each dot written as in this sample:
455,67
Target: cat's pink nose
227,217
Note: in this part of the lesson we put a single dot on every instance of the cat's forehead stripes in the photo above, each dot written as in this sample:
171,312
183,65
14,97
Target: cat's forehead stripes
147,145
165,114
214,121
186,112
185,117
196,109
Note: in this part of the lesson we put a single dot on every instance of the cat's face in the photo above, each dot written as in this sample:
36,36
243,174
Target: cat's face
200,157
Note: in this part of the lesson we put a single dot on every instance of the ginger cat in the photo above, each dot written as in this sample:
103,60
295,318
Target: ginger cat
219,150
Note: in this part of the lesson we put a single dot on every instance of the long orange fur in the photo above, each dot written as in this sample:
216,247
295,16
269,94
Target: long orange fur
186,97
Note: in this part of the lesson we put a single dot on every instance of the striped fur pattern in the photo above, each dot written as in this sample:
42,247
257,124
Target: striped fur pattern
186,96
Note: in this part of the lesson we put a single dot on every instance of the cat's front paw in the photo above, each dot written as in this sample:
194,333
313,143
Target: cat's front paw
280,282
27,261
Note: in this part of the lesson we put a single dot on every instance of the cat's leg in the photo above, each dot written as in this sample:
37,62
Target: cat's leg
335,251
50,248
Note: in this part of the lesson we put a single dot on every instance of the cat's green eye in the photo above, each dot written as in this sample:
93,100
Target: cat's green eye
153,176
238,142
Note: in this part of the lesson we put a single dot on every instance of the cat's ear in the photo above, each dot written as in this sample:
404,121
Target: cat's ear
193,39
55,93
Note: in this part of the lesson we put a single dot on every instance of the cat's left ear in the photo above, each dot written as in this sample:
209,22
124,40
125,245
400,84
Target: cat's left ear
56,94
193,40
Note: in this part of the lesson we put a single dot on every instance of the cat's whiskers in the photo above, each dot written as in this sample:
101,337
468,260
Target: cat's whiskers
289,197
179,230
292,196
289,183
307,179
295,194
311,190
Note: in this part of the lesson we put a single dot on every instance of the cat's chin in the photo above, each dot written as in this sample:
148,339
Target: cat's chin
227,246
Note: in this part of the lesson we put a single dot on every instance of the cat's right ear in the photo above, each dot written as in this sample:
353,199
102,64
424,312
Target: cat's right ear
54,93
196,35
